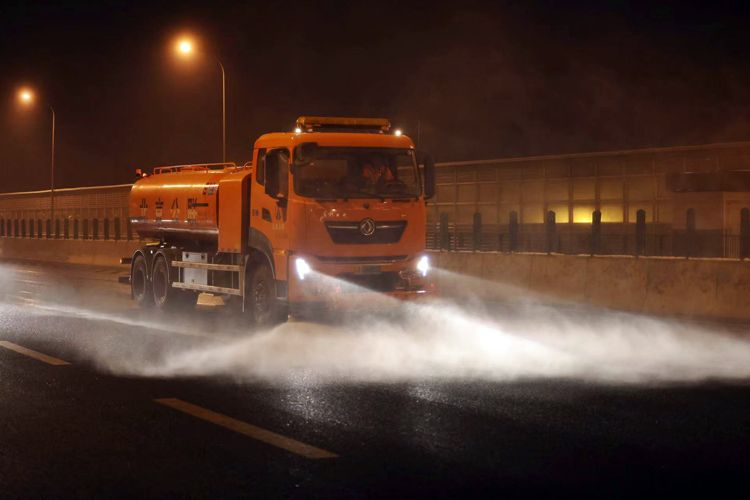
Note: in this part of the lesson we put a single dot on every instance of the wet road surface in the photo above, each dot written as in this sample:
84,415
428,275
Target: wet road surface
87,408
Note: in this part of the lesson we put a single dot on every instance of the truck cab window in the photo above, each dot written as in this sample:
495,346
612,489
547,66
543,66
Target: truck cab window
345,172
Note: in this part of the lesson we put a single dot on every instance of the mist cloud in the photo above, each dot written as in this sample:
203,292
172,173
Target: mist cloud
438,340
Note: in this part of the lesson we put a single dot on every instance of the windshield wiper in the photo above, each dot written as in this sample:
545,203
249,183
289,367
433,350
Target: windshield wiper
366,193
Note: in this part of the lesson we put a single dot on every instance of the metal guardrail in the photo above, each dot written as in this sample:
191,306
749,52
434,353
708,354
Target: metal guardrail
93,213
638,239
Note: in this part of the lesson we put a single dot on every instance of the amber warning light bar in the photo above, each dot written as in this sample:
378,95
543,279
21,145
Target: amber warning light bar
342,124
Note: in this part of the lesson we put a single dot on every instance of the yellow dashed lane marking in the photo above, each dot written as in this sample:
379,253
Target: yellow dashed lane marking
249,430
32,354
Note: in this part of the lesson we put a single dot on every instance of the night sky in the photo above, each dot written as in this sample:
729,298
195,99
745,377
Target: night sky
480,80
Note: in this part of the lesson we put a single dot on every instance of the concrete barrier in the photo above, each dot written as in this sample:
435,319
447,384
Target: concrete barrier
93,252
703,288
715,288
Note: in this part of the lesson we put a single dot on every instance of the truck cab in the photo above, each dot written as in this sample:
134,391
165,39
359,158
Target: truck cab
345,200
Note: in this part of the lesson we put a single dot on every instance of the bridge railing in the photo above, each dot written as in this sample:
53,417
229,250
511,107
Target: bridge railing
595,238
91,213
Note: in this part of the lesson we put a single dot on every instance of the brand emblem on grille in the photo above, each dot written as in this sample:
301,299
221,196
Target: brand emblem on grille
367,227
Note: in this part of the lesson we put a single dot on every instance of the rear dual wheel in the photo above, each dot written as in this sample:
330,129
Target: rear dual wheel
140,286
165,296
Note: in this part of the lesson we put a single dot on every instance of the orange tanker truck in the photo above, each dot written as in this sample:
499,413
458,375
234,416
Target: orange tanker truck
336,200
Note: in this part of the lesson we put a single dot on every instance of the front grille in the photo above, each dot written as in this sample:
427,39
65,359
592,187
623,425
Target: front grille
349,233
381,282
362,260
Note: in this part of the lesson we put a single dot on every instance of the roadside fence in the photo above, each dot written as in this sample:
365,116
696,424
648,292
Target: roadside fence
595,238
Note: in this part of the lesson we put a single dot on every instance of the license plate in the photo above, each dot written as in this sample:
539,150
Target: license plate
369,270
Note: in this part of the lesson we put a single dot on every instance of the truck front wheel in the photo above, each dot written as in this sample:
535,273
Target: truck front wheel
140,286
261,303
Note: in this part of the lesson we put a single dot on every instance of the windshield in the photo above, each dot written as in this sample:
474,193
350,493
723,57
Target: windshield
358,173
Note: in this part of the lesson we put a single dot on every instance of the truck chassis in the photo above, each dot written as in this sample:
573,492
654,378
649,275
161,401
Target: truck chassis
166,276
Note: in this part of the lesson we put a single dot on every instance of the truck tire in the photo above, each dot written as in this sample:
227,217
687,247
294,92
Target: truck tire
261,304
164,294
140,286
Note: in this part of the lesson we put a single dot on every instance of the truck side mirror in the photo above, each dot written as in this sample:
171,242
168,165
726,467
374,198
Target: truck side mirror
428,174
281,200
272,175
277,174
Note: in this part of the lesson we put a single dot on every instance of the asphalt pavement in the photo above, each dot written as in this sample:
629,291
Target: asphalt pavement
99,399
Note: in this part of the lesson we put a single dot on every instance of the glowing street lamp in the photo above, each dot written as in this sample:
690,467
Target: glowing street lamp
26,97
185,47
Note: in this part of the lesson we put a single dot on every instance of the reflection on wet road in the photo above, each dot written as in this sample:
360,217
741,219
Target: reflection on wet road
99,398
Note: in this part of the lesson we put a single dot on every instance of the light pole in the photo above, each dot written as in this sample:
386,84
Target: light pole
26,97
185,47
223,113
52,171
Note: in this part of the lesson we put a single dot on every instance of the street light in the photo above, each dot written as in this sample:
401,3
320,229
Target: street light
185,47
26,97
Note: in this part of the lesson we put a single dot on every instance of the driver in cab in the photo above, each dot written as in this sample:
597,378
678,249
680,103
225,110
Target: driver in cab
375,172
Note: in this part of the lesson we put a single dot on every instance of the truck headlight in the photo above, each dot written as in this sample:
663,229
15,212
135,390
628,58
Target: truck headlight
303,268
423,265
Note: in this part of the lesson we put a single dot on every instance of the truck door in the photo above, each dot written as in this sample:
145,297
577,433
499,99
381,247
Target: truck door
268,205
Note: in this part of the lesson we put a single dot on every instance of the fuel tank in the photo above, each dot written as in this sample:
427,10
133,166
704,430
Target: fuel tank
178,203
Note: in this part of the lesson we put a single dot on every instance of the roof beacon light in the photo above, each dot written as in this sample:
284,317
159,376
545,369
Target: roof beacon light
397,132
343,124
